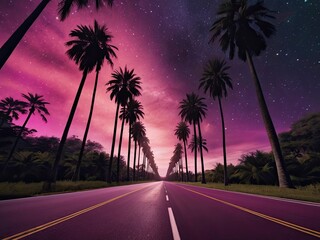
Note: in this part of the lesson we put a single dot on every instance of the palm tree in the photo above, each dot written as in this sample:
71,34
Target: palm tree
64,7
196,145
216,79
153,165
141,142
11,109
255,168
64,10
246,28
170,168
119,148
145,148
133,113
83,51
192,110
138,131
182,132
35,103
124,86
177,157
28,167
98,40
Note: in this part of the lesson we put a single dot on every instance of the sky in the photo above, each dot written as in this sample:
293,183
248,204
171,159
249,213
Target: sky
166,42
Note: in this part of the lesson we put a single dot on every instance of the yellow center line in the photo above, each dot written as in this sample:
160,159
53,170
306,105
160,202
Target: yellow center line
68,217
276,220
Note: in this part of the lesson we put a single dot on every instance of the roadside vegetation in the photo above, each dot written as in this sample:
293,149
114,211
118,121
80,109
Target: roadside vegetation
33,162
301,150
255,172
305,193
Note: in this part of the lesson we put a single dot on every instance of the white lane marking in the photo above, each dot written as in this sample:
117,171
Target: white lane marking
167,198
174,227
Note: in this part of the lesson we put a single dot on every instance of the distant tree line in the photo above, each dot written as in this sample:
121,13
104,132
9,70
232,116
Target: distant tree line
35,155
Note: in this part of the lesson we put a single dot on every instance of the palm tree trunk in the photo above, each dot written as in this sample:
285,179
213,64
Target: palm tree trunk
129,150
17,140
195,153
283,176
76,176
8,47
138,172
178,171
147,168
185,156
134,160
225,166
144,166
54,171
113,143
119,149
201,155
181,164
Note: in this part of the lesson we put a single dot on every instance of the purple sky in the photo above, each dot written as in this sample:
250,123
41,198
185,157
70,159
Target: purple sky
166,42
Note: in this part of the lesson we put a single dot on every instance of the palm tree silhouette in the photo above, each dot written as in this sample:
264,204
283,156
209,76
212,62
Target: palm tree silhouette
123,112
255,168
84,51
199,142
147,152
216,79
138,131
97,39
141,142
145,149
133,113
64,6
244,27
192,109
124,86
64,10
11,109
35,103
153,165
177,157
182,132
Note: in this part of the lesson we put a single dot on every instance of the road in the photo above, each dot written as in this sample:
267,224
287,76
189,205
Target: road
158,210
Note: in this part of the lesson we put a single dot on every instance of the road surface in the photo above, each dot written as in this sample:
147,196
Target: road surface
158,210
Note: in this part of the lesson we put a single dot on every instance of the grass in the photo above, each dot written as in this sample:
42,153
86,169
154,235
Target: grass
308,193
21,189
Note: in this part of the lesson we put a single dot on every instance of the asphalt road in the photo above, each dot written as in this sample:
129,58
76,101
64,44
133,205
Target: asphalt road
159,210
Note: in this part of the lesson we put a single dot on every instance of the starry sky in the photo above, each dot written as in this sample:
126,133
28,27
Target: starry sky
166,42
